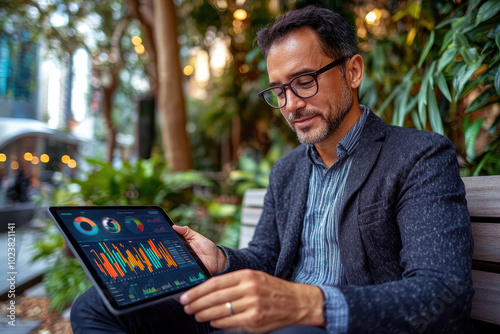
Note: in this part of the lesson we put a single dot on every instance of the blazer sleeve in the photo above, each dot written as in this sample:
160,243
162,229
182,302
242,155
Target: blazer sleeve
434,292
263,251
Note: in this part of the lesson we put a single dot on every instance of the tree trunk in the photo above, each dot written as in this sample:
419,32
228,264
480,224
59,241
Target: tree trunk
108,92
170,97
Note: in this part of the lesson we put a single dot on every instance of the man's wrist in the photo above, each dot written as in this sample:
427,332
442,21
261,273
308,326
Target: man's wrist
314,302
221,260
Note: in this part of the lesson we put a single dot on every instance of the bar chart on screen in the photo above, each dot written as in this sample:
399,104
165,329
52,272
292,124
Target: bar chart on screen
121,259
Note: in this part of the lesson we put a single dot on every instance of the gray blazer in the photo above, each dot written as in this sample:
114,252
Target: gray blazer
404,231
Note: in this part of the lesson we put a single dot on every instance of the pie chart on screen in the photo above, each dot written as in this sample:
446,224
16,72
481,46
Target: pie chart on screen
110,225
85,226
134,225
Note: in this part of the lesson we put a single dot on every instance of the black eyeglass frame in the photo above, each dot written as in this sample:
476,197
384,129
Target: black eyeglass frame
333,64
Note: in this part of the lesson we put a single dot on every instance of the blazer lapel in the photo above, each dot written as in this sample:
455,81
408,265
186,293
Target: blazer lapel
352,252
293,229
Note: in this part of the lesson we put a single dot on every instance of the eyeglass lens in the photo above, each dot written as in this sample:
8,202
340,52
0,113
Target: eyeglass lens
303,86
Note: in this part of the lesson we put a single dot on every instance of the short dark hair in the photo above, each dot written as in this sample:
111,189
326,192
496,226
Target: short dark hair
337,37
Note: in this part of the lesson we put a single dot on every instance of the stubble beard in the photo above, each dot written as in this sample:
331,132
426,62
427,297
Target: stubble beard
331,119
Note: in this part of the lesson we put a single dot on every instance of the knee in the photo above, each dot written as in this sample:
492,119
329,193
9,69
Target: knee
86,309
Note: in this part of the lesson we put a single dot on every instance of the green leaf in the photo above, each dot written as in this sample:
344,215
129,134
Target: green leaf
401,111
471,130
434,115
473,4
416,120
463,77
497,81
422,110
443,86
387,101
427,48
447,58
448,37
469,55
497,39
414,9
479,102
487,11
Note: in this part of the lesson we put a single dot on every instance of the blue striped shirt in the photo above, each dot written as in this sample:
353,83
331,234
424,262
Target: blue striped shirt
319,255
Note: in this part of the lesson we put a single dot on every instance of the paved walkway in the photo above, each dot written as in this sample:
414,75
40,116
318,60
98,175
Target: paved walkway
22,269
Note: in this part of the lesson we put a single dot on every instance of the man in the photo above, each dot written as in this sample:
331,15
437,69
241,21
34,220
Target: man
365,226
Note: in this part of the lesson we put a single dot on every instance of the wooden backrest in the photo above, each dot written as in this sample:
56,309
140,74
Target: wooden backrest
483,201
253,202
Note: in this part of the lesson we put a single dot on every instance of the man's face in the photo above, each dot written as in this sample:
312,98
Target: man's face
314,119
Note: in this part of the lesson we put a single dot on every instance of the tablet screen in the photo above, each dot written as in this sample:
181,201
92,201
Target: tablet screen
132,253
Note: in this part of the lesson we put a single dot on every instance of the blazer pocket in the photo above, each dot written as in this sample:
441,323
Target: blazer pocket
380,235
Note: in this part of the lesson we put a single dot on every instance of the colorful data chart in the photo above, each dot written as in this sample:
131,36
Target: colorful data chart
118,260
134,224
110,225
195,277
178,282
85,226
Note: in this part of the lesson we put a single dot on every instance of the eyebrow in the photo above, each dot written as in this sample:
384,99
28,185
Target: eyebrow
292,76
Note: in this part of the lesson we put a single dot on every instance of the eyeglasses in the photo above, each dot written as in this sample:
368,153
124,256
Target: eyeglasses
304,86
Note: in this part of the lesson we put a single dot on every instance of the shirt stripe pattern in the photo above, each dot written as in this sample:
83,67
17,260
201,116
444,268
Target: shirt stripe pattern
319,255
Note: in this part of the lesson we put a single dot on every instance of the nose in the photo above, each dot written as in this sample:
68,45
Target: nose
293,102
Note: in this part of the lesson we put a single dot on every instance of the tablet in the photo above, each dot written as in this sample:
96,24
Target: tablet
131,253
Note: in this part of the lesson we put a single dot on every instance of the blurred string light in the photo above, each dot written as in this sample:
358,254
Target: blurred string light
240,14
65,159
244,68
136,40
371,17
35,160
71,163
188,70
44,158
14,165
28,156
138,47
3,157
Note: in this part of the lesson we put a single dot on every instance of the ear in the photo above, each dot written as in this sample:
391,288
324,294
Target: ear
355,69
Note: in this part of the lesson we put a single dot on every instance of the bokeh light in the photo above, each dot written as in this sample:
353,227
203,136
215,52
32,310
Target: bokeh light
240,14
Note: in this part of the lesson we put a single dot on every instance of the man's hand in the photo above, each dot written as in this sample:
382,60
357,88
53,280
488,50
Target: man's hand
212,256
260,302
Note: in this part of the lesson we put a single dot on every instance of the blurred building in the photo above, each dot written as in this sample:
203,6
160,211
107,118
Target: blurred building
45,123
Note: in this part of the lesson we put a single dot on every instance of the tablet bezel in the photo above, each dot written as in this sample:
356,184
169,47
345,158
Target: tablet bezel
92,272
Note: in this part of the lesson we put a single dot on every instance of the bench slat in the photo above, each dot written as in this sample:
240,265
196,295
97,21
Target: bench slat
486,300
250,216
483,195
246,235
486,241
254,198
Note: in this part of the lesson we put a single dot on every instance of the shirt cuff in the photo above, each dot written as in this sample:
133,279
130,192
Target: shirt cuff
226,269
335,310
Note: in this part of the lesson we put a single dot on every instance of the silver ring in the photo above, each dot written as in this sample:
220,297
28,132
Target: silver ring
230,308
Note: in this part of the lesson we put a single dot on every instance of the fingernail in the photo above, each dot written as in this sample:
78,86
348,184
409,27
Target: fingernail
183,299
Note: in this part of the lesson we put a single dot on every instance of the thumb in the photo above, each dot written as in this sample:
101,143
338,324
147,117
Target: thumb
184,230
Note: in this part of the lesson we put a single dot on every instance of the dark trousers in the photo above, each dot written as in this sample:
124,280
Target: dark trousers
89,315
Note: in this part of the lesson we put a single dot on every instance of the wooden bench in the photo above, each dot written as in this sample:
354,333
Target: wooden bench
483,201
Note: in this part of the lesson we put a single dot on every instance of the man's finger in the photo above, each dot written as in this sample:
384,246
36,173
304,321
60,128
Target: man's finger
213,284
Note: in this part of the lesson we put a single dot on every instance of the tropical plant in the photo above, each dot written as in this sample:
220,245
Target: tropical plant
443,75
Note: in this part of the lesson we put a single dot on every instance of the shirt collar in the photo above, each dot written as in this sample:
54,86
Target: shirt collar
346,145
